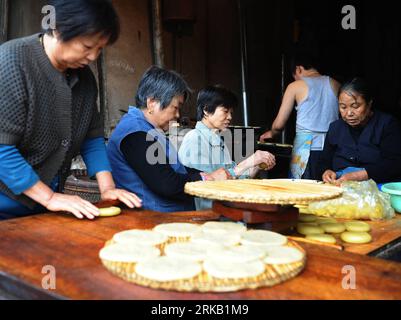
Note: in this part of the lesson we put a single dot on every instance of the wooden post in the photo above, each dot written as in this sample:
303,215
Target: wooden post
4,6
157,33
103,103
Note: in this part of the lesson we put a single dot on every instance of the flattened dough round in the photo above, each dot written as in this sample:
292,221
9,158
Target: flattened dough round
223,227
263,238
233,270
282,255
187,250
237,254
177,230
123,253
225,239
143,237
168,269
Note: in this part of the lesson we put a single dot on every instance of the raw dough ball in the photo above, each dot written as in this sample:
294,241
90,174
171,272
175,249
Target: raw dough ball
109,212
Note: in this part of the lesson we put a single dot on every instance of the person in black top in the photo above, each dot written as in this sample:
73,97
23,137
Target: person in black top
364,144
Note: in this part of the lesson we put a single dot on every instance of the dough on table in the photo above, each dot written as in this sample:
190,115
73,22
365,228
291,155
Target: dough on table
237,254
333,227
357,226
307,229
168,269
233,270
187,250
326,238
223,227
109,212
263,238
128,253
225,239
283,255
137,236
356,237
177,230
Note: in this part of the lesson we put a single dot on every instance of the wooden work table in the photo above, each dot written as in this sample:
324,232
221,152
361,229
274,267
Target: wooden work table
72,246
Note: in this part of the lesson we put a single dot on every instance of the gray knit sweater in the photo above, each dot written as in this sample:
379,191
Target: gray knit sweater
44,114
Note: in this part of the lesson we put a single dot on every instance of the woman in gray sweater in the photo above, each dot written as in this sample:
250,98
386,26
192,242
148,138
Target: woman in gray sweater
48,112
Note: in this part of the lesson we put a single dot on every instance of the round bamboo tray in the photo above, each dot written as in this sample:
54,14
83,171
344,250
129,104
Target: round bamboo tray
273,275
280,191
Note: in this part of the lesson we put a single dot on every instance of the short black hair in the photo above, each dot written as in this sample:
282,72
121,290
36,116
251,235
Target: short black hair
358,86
76,18
212,97
162,85
305,59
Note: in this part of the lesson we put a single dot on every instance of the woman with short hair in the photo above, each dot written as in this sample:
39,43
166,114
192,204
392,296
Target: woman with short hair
48,112
204,149
365,143
141,156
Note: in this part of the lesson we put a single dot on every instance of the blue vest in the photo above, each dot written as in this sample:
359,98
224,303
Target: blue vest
365,151
124,175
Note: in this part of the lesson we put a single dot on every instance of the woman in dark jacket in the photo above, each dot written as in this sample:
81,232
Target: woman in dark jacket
365,143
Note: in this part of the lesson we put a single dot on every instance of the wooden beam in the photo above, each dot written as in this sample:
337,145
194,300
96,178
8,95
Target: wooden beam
157,33
4,11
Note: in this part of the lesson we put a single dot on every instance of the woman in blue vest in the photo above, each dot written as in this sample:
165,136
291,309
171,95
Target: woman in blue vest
365,143
142,158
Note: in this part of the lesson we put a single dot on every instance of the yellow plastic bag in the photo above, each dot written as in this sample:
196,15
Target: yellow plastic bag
360,200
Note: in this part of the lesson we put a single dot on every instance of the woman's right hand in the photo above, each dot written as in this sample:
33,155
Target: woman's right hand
329,176
79,207
262,158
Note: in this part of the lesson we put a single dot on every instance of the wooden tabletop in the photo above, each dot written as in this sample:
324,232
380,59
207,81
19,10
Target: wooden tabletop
71,246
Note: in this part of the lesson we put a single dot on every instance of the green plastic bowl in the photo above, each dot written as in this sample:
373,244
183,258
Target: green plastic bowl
394,190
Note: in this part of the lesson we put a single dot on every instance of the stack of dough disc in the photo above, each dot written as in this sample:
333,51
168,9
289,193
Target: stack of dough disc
323,229
213,257
263,191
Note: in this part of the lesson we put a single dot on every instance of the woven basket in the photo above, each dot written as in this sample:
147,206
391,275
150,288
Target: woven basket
273,275
280,191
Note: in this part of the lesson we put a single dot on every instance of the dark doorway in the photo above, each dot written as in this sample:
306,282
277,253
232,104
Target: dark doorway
372,50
